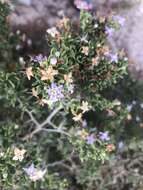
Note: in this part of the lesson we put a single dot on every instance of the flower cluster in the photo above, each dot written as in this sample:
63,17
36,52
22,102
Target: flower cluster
88,143
39,58
116,21
75,60
55,93
34,173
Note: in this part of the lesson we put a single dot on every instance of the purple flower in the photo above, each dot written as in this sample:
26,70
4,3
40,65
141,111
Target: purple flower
121,20
113,57
55,92
30,170
83,4
104,136
34,173
90,139
40,58
109,31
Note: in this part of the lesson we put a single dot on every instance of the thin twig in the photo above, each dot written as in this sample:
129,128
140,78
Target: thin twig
32,118
40,126
60,163
56,131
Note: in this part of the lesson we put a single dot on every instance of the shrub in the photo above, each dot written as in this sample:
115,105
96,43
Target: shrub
49,108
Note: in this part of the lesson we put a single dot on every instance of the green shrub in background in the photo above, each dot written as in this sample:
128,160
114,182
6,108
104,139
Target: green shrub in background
59,121
8,40
4,31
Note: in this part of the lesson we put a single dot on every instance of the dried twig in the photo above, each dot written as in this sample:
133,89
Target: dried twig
40,126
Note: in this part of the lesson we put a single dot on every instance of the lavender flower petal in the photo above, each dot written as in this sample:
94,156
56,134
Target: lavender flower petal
104,136
90,139
55,92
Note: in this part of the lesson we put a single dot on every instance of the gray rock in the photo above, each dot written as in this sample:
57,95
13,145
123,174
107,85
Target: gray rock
25,2
46,10
129,37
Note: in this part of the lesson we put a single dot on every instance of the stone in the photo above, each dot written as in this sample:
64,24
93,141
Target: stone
130,36
25,2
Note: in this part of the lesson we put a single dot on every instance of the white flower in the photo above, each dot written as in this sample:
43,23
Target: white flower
84,107
82,133
68,78
77,117
53,32
19,154
29,73
1,154
116,103
53,61
85,50
84,39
